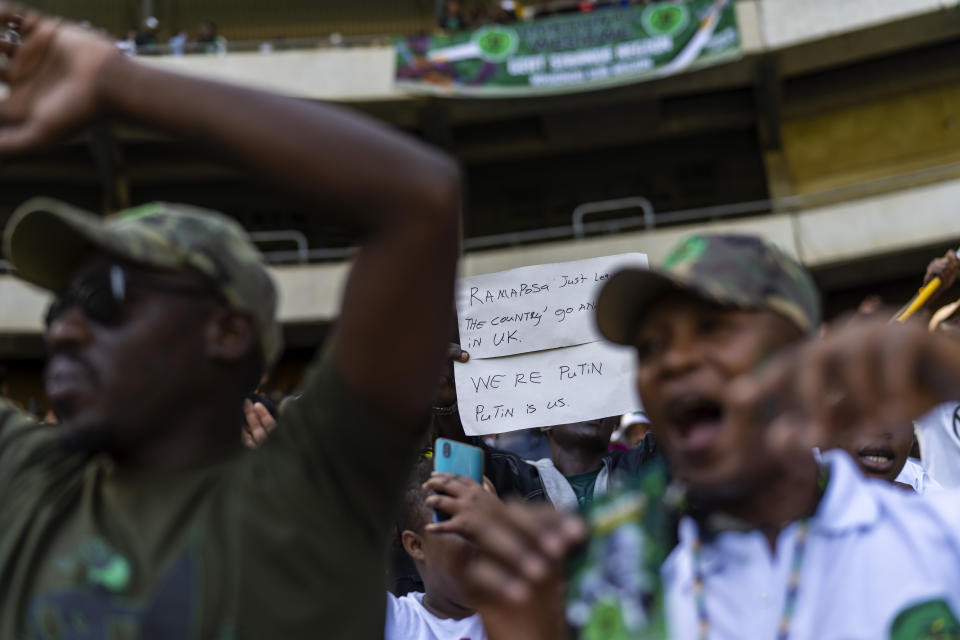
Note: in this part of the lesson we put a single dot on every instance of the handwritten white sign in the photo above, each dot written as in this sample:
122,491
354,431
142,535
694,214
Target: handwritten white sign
546,388
535,308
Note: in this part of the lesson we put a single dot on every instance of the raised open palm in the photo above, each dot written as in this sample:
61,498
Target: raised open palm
53,75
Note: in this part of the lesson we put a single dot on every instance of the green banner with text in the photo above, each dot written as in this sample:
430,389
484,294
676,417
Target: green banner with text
602,48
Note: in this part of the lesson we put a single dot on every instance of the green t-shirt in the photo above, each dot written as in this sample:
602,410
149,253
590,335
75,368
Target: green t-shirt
583,484
283,542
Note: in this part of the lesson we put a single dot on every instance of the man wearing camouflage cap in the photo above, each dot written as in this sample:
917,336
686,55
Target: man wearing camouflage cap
774,544
141,516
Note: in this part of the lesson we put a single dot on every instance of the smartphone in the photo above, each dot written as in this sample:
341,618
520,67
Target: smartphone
450,456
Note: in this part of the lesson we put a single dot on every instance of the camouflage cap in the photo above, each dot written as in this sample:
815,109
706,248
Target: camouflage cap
46,239
740,271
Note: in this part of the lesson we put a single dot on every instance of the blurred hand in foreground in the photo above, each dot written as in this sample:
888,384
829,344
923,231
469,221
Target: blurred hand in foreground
54,73
516,577
258,424
865,370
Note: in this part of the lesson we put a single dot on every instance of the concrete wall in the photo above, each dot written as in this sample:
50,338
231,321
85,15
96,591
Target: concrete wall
819,237
876,138
788,22
354,74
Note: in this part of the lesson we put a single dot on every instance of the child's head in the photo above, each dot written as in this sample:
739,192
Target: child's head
436,555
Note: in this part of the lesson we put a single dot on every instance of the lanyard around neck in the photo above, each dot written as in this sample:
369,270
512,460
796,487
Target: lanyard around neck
786,618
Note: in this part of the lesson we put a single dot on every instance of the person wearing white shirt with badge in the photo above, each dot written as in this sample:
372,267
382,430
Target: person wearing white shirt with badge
774,545
777,545
938,431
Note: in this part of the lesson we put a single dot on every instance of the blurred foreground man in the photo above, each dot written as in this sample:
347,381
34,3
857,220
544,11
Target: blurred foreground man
774,544
142,516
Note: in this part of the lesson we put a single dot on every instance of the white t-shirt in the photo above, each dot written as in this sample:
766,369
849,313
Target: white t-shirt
407,619
879,561
938,433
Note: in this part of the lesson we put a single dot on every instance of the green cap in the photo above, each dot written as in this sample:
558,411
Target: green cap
740,271
46,239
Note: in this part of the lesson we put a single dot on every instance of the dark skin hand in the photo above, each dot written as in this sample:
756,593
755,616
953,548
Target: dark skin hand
449,426
866,372
945,268
516,577
404,197
446,387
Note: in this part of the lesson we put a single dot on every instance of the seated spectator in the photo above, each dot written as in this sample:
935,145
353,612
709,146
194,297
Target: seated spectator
146,38
442,611
129,44
505,12
178,42
209,39
451,17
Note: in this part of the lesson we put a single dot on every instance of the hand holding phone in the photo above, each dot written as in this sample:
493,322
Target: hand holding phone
459,459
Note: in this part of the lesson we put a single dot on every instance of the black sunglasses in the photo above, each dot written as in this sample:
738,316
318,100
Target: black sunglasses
102,295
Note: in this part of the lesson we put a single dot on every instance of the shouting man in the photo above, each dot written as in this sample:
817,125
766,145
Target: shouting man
774,544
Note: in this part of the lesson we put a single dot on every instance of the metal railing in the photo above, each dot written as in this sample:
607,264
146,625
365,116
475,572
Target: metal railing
266,45
606,206
298,238
650,219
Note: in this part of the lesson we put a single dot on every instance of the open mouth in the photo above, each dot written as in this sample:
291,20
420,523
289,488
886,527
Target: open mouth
876,459
697,420
65,375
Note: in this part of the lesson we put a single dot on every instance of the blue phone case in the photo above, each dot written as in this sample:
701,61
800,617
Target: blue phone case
461,459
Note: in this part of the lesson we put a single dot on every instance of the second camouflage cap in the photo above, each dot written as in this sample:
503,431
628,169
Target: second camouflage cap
741,271
46,239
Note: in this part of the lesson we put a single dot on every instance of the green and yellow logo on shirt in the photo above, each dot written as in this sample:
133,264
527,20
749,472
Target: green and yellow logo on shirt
931,620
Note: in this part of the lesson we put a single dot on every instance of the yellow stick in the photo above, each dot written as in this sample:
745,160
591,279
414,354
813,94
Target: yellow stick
920,299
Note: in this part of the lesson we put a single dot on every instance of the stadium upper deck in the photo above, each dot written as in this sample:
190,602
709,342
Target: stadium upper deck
838,116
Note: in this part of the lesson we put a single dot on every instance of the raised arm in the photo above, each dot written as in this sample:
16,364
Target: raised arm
404,198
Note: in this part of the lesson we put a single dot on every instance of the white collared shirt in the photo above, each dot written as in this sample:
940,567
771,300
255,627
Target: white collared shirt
938,433
873,552
914,475
408,619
